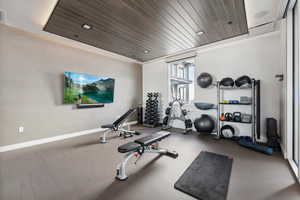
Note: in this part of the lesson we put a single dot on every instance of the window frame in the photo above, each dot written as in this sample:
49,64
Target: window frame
183,76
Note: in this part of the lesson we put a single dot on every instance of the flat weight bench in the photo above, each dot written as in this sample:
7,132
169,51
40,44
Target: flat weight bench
148,144
117,126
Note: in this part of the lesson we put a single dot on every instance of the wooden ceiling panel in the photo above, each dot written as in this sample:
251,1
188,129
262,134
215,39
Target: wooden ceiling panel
162,27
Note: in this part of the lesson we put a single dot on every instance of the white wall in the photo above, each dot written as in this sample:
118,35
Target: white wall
155,79
31,79
257,57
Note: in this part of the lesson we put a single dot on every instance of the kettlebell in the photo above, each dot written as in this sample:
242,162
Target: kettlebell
228,117
222,117
237,116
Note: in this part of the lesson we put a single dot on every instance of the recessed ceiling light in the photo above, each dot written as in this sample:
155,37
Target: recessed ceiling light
146,51
200,32
86,26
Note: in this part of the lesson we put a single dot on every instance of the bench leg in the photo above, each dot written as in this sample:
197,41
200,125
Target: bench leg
121,170
172,154
126,132
103,137
157,150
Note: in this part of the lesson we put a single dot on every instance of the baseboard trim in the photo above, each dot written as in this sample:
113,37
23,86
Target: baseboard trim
53,139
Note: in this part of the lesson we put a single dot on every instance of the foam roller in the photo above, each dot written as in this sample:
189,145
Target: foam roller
247,142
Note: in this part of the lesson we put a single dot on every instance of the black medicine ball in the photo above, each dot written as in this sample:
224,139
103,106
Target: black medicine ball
228,82
243,80
204,124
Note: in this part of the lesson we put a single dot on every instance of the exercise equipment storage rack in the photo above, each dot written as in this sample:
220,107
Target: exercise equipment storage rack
254,89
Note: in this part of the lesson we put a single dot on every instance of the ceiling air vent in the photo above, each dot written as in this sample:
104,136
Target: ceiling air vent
2,16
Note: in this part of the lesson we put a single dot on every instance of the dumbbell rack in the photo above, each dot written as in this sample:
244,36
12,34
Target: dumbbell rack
255,107
152,110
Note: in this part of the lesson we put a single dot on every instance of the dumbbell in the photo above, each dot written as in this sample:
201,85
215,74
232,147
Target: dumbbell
188,123
149,95
168,111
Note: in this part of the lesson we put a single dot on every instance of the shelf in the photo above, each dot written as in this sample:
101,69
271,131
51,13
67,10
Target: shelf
243,104
254,91
235,88
236,122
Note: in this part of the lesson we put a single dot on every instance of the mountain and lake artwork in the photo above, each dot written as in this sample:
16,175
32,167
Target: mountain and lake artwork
87,89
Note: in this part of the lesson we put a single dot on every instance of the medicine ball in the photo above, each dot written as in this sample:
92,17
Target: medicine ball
204,124
243,80
204,80
227,82
227,131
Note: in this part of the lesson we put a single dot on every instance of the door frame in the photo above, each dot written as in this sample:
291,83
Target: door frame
290,90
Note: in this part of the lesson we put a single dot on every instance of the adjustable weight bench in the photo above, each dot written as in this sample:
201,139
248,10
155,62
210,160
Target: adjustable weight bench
117,126
148,144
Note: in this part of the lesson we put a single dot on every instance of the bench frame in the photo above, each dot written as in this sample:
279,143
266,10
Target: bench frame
121,131
119,127
121,169
138,152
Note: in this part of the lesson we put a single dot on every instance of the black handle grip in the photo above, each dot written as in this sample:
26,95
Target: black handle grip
239,114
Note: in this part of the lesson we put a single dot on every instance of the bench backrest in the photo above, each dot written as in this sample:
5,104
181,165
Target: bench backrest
120,120
155,137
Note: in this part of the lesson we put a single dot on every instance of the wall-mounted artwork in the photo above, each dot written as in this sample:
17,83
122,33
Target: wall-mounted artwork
87,89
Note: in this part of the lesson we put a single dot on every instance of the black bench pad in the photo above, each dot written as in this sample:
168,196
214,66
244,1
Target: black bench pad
108,126
131,146
145,141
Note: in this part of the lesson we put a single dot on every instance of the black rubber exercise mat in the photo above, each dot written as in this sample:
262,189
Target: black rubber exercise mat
207,178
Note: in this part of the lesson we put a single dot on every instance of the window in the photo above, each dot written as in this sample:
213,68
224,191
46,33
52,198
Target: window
181,79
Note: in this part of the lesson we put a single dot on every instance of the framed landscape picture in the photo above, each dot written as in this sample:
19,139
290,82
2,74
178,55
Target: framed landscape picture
87,89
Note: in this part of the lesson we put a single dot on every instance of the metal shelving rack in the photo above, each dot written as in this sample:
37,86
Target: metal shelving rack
252,104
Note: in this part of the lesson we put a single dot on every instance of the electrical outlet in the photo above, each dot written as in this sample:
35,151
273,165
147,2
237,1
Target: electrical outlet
2,16
21,129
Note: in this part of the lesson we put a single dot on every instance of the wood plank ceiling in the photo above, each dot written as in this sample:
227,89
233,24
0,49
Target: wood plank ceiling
148,29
